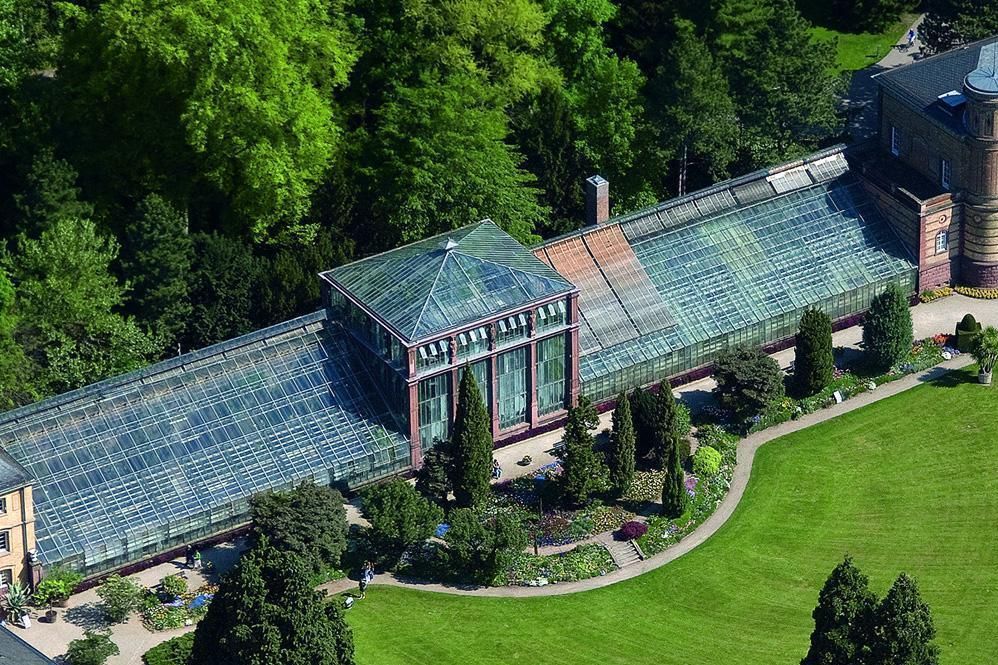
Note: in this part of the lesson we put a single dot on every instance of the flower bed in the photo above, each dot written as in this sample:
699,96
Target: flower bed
935,294
606,518
583,562
647,486
185,610
974,292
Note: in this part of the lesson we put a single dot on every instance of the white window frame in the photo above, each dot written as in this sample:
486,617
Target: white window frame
895,141
945,173
5,535
942,242
3,505
6,572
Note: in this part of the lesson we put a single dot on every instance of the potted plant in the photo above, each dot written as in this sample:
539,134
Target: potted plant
985,352
16,601
57,587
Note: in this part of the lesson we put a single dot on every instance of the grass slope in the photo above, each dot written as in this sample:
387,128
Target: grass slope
862,49
909,483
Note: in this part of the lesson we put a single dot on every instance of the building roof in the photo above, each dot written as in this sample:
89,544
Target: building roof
15,651
921,83
449,280
723,259
134,464
12,475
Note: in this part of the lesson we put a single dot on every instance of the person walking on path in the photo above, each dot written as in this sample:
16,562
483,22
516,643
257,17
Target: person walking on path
496,469
366,575
189,556
912,36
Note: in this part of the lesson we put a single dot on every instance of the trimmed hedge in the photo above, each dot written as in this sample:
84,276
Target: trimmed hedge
174,651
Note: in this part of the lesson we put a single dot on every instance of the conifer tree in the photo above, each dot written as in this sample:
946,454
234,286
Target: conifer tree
887,330
266,611
813,362
643,416
433,480
904,630
621,459
472,445
581,468
666,434
674,497
842,619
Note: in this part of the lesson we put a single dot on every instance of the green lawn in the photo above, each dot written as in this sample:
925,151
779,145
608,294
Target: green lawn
909,483
859,50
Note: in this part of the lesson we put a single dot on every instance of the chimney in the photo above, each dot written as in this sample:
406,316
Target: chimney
597,200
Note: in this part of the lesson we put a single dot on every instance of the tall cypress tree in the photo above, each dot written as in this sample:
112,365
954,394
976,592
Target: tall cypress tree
842,619
904,630
643,416
580,466
622,442
813,362
674,497
267,611
666,437
887,330
472,445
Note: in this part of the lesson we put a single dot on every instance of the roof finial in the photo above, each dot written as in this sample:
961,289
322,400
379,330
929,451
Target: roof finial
449,244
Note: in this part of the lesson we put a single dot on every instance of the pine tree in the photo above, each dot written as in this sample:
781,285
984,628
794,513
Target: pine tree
472,445
813,362
674,496
842,619
622,442
266,611
157,258
666,430
887,330
748,381
50,194
581,468
433,480
904,630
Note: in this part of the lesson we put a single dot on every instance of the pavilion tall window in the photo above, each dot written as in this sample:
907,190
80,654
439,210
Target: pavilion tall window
481,372
434,409
551,375
512,398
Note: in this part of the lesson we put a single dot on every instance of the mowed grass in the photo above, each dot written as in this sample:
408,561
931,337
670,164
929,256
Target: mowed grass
909,483
856,50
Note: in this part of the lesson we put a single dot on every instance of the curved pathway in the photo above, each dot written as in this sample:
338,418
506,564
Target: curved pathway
747,448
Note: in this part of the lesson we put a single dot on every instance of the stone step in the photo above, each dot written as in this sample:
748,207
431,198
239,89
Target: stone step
624,553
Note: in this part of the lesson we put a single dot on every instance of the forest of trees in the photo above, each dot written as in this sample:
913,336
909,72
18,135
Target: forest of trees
175,172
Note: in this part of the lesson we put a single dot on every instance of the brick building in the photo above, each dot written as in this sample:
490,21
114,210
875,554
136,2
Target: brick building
935,172
17,523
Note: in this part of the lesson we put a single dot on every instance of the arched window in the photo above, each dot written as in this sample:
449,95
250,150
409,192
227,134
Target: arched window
942,241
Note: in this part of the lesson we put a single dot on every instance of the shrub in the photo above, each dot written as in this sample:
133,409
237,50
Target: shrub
632,530
58,585
175,651
120,596
173,585
966,332
399,517
483,550
706,461
94,648
309,520
887,330
813,363
16,601
748,382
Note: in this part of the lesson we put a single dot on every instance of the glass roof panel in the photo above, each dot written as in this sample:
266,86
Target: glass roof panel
176,444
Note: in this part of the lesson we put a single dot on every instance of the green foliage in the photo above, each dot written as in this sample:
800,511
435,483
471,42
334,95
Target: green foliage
622,442
174,651
57,585
483,549
309,521
813,361
16,601
221,289
968,323
267,611
399,517
157,256
583,471
867,15
674,496
472,445
17,383
212,96
119,597
643,414
887,329
667,432
904,629
68,302
94,648
843,618
985,348
706,462
433,480
748,381
50,194
951,23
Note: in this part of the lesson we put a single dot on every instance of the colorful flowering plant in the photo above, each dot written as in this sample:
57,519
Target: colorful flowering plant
632,530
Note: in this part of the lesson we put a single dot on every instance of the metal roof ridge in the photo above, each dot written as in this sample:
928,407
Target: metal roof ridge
429,294
99,389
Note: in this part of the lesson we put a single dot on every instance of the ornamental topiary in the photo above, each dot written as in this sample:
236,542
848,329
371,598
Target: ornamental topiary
632,530
966,332
706,462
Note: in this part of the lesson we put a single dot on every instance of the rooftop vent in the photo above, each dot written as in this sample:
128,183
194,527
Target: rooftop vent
952,101
448,244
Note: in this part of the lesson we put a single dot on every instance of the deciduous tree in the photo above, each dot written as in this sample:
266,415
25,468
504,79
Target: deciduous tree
399,517
950,23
